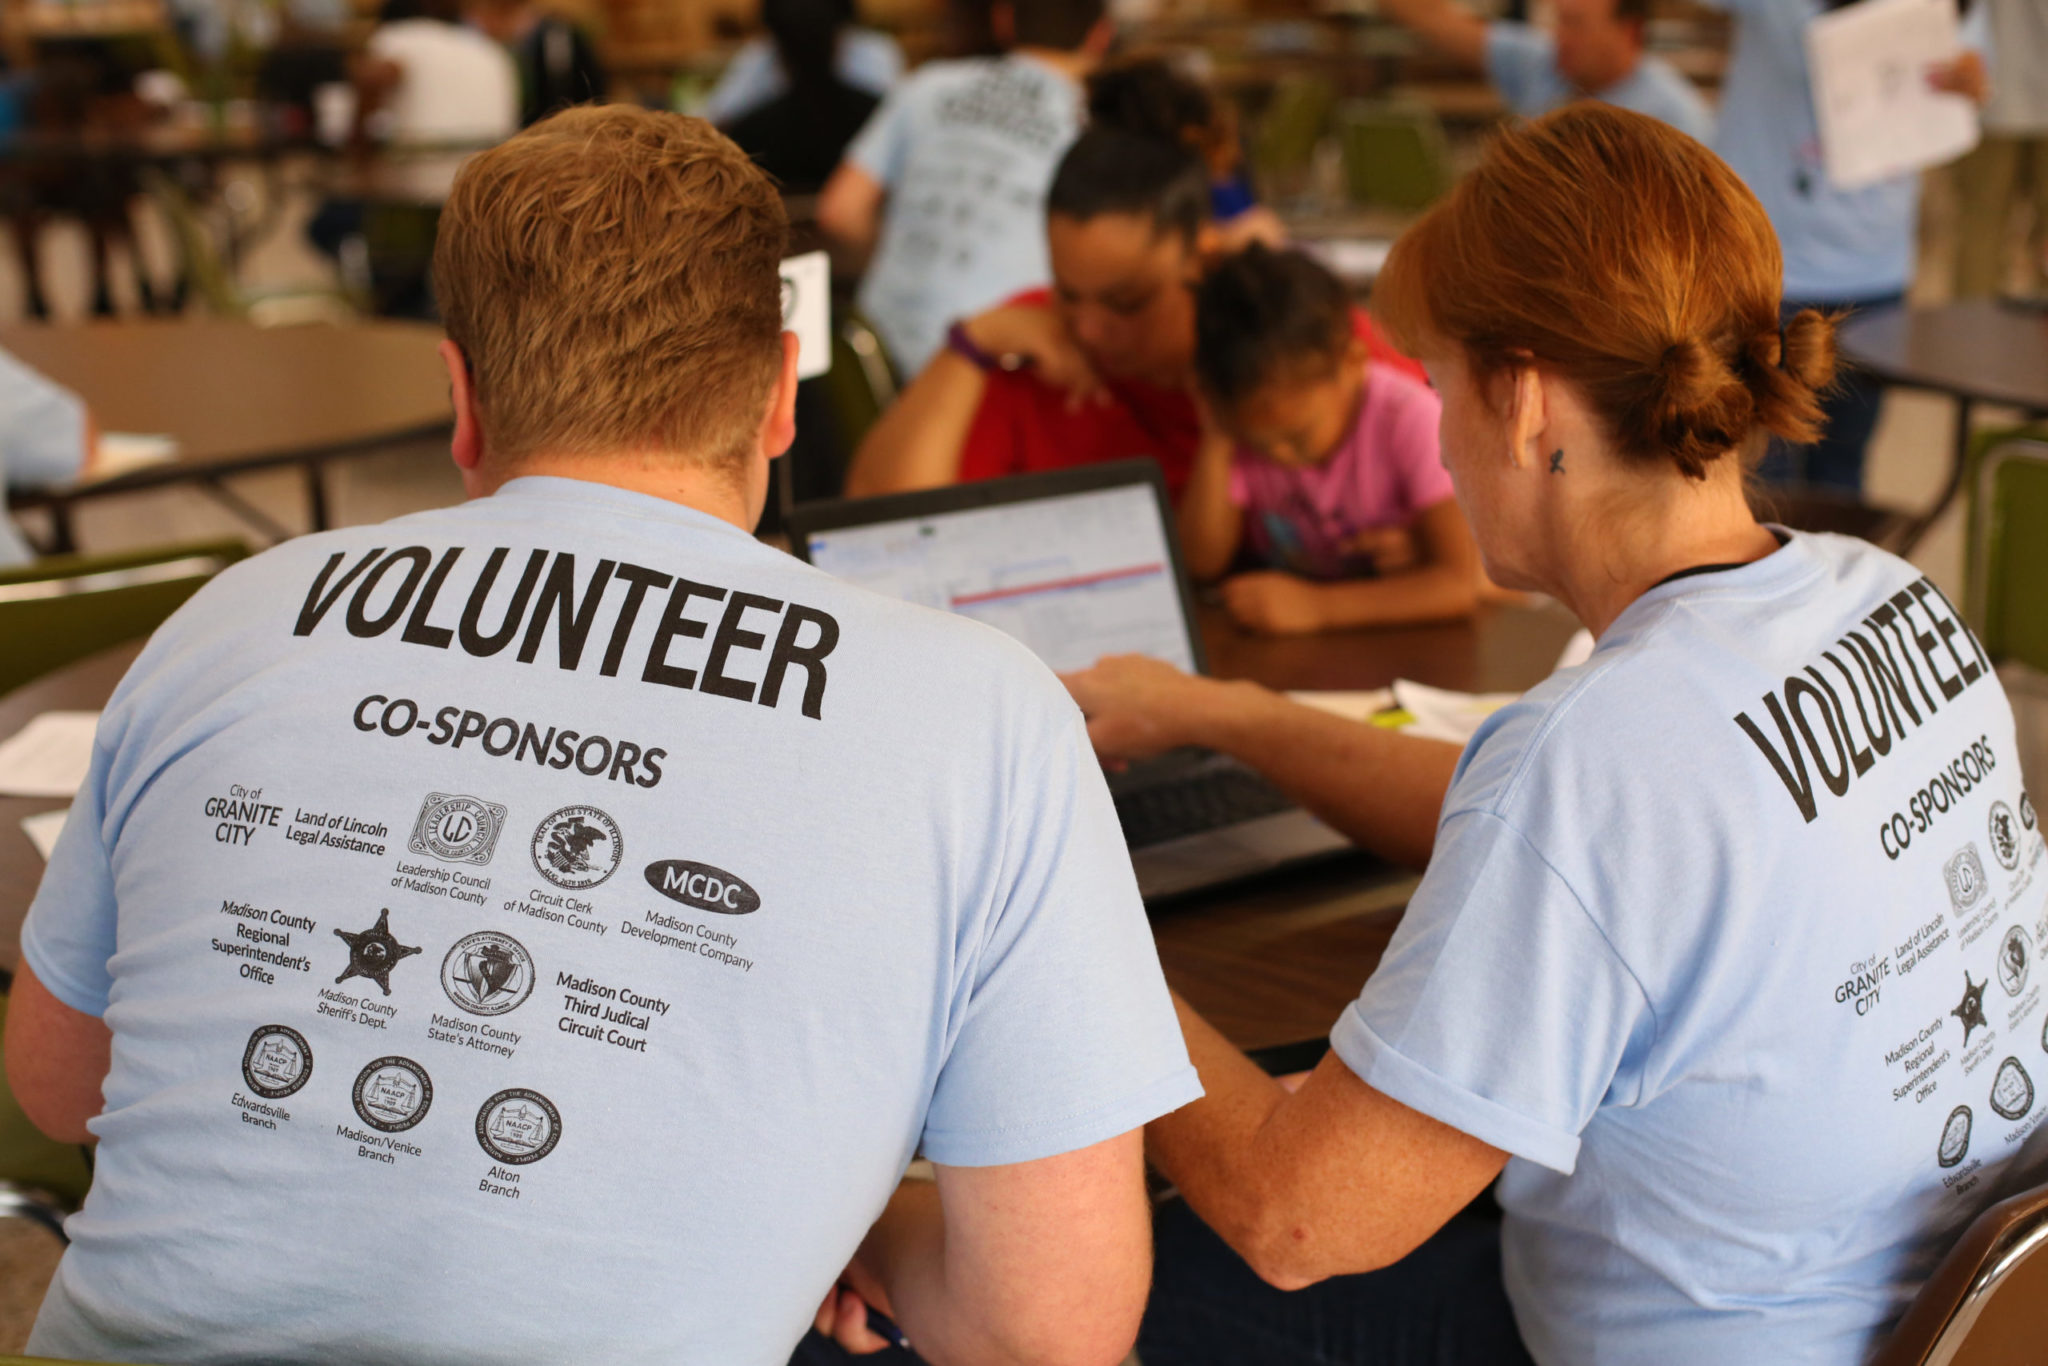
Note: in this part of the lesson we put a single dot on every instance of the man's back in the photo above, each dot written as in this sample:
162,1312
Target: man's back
547,927
966,150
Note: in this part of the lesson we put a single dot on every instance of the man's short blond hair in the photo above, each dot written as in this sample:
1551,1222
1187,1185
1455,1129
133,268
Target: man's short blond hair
612,276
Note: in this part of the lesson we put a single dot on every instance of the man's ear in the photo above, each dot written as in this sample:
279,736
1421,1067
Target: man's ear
778,424
1101,37
466,447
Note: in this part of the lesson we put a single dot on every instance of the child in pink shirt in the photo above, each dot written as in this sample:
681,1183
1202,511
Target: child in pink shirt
1318,463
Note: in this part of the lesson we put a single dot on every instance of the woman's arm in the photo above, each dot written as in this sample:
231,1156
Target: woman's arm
1335,1178
1443,587
1210,524
917,441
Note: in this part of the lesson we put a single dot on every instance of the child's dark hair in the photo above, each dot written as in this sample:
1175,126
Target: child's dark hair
1148,96
1262,309
1135,156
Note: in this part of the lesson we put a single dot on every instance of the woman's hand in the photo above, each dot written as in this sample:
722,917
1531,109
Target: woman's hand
1963,75
1388,549
843,1317
1274,603
1138,706
1039,335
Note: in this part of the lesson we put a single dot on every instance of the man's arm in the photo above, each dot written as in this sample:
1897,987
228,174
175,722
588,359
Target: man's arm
1044,1261
850,214
1450,28
1379,787
57,1059
1333,1179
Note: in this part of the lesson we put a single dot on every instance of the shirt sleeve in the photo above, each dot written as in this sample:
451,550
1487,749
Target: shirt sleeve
870,60
42,427
1518,58
1417,457
751,79
1068,1036
1500,1008
883,143
68,937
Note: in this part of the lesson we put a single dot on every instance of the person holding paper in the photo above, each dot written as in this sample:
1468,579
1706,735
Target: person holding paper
1596,53
1844,249
1741,1029
46,437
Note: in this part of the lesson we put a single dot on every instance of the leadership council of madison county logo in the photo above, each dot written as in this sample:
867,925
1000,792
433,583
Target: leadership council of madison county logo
2005,835
487,973
457,829
277,1061
1955,1137
518,1126
393,1094
577,847
2014,957
2012,1090
1966,881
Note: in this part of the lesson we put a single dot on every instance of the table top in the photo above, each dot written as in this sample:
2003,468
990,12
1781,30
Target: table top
1979,350
1270,963
236,395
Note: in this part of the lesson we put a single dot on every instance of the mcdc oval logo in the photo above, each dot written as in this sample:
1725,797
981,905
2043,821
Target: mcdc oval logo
702,886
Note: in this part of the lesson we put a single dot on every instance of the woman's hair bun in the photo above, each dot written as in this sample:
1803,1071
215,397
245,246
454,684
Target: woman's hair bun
1789,369
1695,408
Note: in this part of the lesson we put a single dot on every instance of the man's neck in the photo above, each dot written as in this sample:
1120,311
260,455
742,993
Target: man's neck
658,474
1074,65
1619,76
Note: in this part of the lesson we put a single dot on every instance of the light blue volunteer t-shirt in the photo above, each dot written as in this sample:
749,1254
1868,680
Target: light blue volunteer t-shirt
42,441
1840,246
1521,61
1731,939
867,59
966,151
543,930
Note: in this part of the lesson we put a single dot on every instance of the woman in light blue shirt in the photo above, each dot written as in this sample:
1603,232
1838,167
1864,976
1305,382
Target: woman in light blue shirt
45,439
1844,249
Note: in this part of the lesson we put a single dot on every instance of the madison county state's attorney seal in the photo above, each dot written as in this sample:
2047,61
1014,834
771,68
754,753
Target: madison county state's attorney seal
487,973
2005,835
2015,956
518,1126
2012,1090
393,1094
1955,1137
277,1061
577,847
457,829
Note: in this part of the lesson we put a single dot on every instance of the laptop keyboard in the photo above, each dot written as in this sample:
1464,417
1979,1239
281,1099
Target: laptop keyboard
1209,801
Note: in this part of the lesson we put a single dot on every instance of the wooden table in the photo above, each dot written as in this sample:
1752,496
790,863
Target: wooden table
1271,964
239,397
1975,352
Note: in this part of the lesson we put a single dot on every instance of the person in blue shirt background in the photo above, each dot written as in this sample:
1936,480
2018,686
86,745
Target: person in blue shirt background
1596,53
868,60
46,437
1844,249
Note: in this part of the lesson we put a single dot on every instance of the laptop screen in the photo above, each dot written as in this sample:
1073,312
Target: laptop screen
1074,575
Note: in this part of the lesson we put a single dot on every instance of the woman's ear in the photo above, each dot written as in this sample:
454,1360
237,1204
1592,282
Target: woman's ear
1528,416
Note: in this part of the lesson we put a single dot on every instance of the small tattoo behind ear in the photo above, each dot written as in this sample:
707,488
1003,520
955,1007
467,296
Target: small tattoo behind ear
1557,461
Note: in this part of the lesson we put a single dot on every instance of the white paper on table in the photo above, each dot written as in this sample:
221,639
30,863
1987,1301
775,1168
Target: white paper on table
1441,714
1878,115
1352,706
120,452
48,756
42,830
807,310
1355,260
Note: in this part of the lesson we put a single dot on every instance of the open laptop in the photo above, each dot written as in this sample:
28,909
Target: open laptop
1078,564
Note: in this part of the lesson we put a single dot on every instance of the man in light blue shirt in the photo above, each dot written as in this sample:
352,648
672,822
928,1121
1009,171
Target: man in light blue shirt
45,438
1595,53
543,930
946,184
868,60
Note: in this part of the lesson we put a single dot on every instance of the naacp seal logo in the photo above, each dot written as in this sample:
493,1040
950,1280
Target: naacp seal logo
577,847
2014,957
277,1061
393,1094
1955,1137
2026,811
487,973
518,1126
2005,835
2012,1090
457,829
1966,881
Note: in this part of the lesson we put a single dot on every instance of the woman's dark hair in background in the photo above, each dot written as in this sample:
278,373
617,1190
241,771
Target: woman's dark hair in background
1262,312
806,36
1149,96
1134,157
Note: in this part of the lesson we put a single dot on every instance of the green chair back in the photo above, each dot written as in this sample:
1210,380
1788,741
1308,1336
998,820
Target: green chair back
1285,142
63,608
860,384
29,1159
2006,586
1394,155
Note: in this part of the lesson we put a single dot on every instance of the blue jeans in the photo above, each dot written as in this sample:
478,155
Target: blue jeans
1850,410
1441,1305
